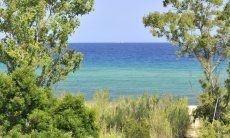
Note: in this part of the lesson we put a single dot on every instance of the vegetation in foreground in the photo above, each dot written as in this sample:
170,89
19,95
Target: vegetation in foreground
145,116
27,110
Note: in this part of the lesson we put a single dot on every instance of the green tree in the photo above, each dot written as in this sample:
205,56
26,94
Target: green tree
36,34
20,97
201,29
36,39
29,110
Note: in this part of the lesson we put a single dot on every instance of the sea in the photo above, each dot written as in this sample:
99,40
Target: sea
132,69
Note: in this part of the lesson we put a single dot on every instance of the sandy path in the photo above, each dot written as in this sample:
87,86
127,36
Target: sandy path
194,127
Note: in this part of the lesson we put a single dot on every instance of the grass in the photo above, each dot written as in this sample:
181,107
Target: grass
145,116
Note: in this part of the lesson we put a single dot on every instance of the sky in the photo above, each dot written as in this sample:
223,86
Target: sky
117,21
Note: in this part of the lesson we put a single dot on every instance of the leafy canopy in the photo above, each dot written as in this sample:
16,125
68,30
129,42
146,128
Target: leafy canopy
36,34
201,28
198,27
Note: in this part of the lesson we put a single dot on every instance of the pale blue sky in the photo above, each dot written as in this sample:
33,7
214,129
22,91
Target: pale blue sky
117,21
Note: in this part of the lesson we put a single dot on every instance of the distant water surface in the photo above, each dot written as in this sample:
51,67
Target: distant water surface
131,69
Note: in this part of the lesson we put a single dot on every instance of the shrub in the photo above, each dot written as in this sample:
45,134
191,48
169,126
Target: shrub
163,129
70,114
145,116
20,97
137,128
178,116
40,121
35,134
27,110
216,129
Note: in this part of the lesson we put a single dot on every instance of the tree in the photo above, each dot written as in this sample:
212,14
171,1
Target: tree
26,109
20,96
36,39
201,28
36,34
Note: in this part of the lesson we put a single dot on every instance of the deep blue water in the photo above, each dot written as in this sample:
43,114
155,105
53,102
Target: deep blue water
131,69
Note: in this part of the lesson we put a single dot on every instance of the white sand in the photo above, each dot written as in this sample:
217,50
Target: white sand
194,127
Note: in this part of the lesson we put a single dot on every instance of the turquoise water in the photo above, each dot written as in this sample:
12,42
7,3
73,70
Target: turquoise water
128,69
131,69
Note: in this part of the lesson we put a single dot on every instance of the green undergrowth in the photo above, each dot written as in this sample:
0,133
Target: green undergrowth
145,116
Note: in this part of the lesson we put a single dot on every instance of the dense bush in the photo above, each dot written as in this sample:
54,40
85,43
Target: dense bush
27,110
145,116
20,97
216,129
35,134
70,114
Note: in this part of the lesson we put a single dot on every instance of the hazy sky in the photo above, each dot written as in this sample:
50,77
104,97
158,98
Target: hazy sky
117,21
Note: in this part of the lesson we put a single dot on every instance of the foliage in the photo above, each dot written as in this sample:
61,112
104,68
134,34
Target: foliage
35,134
213,106
145,116
70,114
26,110
201,29
20,96
208,107
36,39
214,130
36,34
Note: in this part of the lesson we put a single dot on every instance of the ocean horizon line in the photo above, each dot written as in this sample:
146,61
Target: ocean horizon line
118,43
